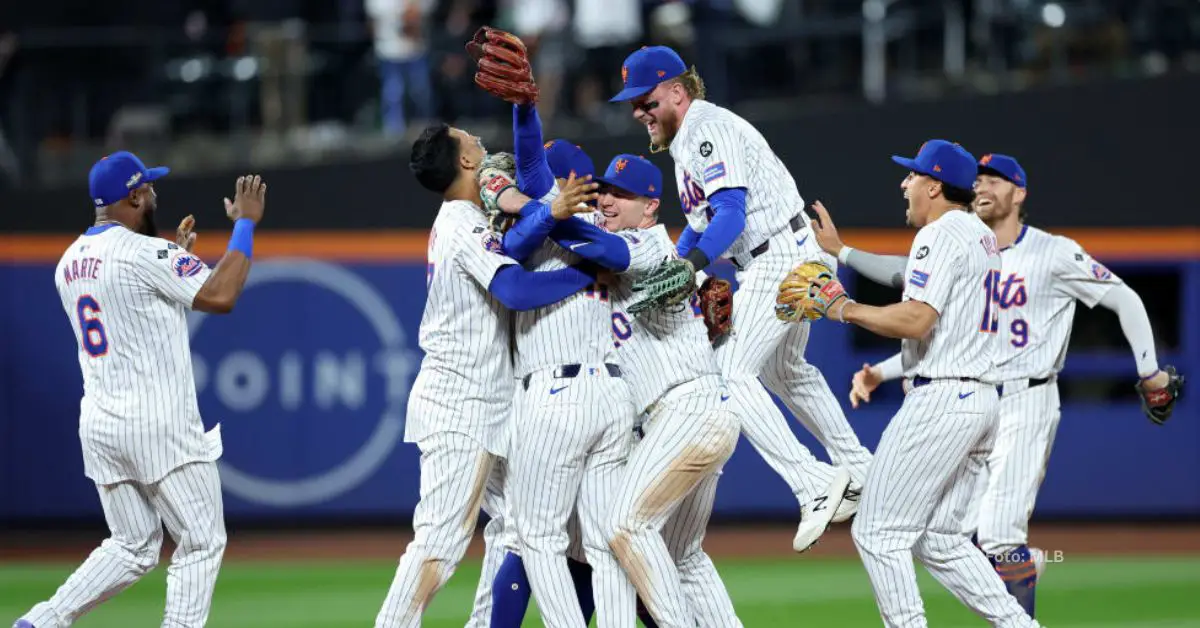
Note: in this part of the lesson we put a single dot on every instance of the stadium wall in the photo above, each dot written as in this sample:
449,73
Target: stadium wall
309,378
1101,154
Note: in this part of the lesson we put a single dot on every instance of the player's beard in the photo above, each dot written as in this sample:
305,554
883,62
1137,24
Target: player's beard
999,208
147,227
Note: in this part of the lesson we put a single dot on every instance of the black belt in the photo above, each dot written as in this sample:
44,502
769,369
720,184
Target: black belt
921,380
568,371
1033,381
796,223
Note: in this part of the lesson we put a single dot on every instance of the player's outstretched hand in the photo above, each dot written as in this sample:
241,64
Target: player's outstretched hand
249,199
864,383
575,197
825,231
184,236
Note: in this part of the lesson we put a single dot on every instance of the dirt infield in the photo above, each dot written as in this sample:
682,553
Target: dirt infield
722,541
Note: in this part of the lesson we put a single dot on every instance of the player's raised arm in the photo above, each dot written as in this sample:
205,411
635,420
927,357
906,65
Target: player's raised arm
886,270
223,287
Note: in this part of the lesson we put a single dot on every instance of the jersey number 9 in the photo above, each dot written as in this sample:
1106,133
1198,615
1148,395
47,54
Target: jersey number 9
91,330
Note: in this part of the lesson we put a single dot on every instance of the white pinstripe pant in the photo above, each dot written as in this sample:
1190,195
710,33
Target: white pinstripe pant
455,469
1016,466
924,474
569,450
689,436
763,346
188,501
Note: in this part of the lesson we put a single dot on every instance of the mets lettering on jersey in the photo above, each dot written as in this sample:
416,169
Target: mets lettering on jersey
324,380
716,149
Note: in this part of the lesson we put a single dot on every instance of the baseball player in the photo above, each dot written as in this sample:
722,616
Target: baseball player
678,391
458,407
1042,277
741,203
126,294
931,454
571,429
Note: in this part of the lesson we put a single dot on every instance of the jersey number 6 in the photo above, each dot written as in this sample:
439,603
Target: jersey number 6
95,341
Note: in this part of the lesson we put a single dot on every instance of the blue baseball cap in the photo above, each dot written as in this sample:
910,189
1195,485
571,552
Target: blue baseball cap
114,176
945,161
635,175
565,158
1004,166
646,68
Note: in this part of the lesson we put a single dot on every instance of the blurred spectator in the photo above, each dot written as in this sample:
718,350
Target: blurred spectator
455,22
542,25
607,31
275,31
402,51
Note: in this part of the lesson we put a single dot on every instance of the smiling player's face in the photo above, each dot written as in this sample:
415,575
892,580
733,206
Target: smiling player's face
620,209
996,198
659,112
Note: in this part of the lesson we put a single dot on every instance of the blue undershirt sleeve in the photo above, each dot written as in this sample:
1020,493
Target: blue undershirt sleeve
519,289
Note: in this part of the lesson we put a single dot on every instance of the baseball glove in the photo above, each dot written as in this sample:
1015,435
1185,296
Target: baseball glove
504,69
497,173
716,302
669,284
1158,404
808,293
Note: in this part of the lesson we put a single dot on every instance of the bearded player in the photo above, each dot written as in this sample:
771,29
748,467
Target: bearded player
742,204
1042,277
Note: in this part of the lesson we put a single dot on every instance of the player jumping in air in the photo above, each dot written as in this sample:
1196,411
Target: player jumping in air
741,203
126,293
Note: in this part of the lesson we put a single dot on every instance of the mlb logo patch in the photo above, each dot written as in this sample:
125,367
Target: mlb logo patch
714,172
186,265
919,278
1100,272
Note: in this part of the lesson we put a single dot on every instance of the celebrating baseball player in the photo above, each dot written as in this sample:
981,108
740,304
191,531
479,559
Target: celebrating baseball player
459,405
929,457
741,203
1042,276
127,293
671,476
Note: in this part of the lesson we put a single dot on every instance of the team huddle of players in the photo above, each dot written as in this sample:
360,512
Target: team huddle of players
584,381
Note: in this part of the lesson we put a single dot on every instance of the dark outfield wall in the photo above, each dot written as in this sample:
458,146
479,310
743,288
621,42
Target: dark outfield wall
1098,155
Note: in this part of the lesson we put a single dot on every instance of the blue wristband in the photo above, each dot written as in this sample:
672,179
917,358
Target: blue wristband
243,237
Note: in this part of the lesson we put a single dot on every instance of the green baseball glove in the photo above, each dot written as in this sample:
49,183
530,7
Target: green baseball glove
669,284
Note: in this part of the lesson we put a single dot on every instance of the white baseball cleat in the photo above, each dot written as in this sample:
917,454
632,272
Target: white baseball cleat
817,514
849,504
1039,560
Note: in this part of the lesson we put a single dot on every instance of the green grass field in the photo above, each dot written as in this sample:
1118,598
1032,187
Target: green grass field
1084,592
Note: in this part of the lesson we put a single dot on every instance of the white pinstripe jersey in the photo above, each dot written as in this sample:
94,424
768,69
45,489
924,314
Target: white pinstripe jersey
952,265
466,381
126,296
714,149
1042,276
660,348
572,331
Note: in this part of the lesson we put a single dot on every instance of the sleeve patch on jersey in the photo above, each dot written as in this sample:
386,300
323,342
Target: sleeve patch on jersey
1100,272
922,252
714,172
918,278
172,246
491,242
1079,257
478,229
162,254
706,148
186,265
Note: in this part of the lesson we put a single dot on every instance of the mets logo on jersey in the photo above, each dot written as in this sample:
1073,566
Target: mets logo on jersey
1100,272
186,265
492,243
